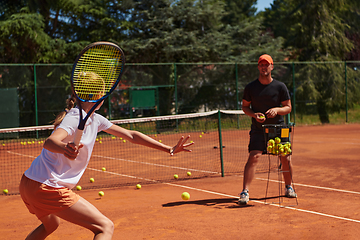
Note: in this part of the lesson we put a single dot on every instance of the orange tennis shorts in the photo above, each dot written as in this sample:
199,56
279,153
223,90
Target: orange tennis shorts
43,200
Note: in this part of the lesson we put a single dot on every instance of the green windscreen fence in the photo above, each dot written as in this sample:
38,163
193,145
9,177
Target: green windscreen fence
9,108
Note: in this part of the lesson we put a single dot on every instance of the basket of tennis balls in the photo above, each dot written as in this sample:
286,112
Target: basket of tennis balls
275,147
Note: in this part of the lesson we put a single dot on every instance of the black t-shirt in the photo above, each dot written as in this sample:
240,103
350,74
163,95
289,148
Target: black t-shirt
264,97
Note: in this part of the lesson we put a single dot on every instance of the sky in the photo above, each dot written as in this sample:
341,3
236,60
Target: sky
262,4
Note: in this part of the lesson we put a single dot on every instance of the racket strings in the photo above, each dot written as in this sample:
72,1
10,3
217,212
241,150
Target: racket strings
97,71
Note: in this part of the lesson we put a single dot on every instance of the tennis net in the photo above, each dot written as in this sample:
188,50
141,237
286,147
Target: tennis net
219,150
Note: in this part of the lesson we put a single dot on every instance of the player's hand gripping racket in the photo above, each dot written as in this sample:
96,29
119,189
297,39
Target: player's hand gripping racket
96,73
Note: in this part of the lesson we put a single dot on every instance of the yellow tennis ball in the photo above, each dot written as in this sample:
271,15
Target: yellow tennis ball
113,137
202,133
191,141
78,188
5,191
101,193
185,196
124,141
200,136
100,141
277,140
138,186
188,173
104,169
160,141
176,176
92,180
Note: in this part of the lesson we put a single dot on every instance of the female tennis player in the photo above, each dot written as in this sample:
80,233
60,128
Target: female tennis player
46,186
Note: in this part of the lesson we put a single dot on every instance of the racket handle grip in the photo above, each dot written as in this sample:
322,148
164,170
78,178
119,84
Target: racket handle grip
78,135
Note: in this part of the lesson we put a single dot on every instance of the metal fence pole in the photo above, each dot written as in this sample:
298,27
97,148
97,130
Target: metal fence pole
220,144
346,94
294,91
35,96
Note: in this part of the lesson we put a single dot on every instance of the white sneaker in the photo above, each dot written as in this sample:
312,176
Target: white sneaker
289,192
244,198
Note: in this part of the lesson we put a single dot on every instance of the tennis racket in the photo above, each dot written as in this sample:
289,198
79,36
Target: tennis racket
96,73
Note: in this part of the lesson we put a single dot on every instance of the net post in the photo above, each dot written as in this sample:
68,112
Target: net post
220,144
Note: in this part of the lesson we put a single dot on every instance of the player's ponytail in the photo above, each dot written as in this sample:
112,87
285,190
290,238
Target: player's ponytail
70,103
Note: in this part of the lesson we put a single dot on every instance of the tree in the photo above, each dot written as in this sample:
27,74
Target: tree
316,31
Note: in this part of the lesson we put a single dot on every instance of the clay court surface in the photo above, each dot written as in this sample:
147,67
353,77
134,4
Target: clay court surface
326,176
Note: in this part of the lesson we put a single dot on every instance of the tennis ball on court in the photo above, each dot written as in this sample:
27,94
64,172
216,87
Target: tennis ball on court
155,135
200,136
104,169
97,139
92,180
271,142
113,137
160,141
176,176
202,133
185,196
188,173
277,140
100,141
191,141
269,148
3,144
138,186
5,191
101,193
78,187
124,141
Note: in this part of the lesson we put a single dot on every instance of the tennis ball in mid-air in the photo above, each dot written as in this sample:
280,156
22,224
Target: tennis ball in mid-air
176,176
5,191
78,188
188,173
277,140
104,169
138,186
92,180
185,196
101,193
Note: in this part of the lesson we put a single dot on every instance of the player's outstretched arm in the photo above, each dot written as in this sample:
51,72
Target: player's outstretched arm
142,139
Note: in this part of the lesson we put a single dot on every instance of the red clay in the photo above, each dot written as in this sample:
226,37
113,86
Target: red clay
326,175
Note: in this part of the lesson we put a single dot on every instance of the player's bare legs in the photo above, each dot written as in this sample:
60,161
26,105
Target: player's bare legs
86,215
250,168
286,168
287,173
249,174
49,224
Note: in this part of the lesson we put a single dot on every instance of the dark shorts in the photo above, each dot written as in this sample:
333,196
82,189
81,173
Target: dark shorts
257,141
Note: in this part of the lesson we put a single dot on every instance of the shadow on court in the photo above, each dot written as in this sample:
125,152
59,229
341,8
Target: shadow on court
215,202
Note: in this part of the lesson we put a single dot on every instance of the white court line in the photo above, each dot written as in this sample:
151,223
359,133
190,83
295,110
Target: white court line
225,195
311,186
232,196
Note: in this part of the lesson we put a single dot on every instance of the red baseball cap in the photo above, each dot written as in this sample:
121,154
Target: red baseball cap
266,57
